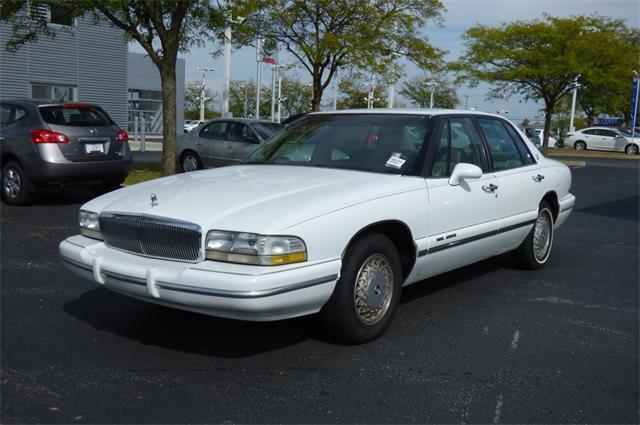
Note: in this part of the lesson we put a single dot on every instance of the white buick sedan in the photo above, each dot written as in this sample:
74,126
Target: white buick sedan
333,215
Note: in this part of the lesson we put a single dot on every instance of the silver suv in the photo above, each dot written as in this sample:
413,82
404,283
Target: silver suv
54,144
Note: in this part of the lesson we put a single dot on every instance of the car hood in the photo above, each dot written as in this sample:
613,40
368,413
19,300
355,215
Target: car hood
253,198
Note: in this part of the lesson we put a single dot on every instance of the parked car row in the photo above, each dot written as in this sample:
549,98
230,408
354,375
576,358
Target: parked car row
45,143
536,135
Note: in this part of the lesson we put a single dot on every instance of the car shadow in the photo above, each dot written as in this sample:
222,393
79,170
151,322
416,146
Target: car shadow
62,196
196,333
624,209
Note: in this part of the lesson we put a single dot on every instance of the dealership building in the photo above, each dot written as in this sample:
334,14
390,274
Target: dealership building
88,61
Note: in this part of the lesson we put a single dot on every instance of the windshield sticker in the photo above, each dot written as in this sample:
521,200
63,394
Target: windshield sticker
395,161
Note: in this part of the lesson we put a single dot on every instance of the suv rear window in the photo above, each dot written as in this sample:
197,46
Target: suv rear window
77,116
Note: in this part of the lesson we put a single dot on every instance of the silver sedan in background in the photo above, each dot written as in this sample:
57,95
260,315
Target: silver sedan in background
221,142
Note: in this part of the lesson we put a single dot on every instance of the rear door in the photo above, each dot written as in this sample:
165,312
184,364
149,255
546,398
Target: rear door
91,132
241,142
211,143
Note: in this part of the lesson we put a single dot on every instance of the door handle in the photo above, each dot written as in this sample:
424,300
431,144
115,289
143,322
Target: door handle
538,178
489,189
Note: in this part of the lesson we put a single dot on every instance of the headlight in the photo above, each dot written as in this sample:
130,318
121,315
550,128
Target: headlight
250,248
89,224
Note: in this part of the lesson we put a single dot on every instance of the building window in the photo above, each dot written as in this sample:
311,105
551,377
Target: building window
61,15
145,105
58,93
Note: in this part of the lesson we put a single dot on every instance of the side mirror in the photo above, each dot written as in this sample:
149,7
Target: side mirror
464,171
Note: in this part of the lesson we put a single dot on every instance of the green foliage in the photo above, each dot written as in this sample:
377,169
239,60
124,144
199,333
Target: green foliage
416,90
325,35
354,91
539,59
237,92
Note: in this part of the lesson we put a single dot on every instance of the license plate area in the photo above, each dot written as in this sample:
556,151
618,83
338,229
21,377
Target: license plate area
94,148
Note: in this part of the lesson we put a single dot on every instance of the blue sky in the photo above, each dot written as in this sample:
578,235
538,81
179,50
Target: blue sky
459,16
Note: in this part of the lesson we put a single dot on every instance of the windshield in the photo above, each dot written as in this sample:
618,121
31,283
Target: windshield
266,129
77,116
381,143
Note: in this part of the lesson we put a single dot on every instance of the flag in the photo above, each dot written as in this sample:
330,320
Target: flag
269,60
202,87
634,105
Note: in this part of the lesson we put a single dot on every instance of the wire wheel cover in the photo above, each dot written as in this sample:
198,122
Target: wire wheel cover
373,289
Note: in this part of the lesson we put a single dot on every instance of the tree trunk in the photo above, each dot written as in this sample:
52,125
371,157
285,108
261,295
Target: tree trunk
317,92
169,122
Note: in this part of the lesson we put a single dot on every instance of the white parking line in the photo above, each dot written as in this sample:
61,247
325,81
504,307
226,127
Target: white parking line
514,341
498,411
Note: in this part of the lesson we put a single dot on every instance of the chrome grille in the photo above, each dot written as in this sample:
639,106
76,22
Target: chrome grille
152,236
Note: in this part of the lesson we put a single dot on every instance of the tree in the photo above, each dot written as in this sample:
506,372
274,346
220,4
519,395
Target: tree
241,91
192,102
355,90
416,90
162,28
325,35
538,59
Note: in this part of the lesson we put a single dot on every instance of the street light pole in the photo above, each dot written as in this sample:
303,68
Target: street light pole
203,98
227,63
432,85
258,82
575,85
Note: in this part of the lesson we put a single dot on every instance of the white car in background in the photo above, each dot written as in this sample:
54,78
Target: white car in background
332,215
191,124
536,136
603,139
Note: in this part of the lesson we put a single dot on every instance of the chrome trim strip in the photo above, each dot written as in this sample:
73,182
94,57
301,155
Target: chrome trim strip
474,238
223,293
75,263
128,279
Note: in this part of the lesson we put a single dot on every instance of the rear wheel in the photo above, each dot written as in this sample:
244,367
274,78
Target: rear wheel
580,146
15,184
534,252
190,161
366,296
631,149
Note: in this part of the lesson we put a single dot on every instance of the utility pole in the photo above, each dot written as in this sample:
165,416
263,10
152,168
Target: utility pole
203,86
575,86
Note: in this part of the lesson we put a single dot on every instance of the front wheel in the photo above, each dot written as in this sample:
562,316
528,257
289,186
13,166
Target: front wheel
534,252
631,149
366,296
580,146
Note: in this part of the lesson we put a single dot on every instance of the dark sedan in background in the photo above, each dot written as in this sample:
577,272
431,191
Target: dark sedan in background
47,143
221,142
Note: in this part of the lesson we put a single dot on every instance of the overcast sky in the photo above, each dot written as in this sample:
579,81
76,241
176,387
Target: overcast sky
459,16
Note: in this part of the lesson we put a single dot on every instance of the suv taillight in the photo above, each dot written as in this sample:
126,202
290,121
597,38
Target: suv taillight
122,136
48,136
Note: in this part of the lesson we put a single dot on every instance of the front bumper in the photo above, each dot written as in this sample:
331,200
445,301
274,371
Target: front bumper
217,289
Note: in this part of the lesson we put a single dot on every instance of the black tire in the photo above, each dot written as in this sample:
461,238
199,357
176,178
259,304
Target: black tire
526,255
15,184
631,149
188,160
340,317
580,146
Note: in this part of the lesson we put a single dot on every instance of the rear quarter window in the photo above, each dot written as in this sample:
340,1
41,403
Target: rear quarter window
76,116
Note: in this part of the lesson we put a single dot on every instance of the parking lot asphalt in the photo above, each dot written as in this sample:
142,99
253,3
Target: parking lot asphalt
484,344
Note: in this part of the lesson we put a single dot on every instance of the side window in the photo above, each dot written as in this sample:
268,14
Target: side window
19,113
215,130
239,132
459,142
5,115
608,133
591,132
503,150
527,158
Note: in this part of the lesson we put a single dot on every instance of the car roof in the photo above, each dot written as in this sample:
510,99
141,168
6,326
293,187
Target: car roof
409,111
599,128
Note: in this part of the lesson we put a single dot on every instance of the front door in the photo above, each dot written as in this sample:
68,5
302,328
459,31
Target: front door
462,219
211,143
241,142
